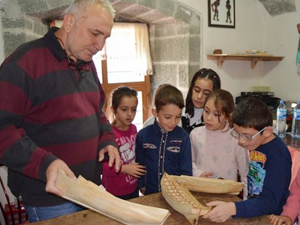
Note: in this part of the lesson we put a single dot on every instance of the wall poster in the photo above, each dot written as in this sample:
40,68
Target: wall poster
221,13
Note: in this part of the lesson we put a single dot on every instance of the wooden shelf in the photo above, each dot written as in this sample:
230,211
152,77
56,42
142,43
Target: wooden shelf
254,58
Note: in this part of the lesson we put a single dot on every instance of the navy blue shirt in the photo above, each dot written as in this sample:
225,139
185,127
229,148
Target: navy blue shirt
268,180
161,151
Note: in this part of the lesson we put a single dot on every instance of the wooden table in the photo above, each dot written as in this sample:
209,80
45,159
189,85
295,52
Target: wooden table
89,217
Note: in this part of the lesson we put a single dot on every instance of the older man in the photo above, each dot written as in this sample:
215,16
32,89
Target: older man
51,110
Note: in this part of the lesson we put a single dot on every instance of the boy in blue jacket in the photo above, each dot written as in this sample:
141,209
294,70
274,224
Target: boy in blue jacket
270,164
163,146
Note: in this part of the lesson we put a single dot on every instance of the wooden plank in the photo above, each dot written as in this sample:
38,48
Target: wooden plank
254,58
91,196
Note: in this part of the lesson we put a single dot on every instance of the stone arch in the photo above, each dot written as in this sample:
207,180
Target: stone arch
175,38
175,31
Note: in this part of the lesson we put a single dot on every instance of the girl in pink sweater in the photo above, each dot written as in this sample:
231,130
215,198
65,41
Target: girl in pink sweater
292,206
215,153
124,183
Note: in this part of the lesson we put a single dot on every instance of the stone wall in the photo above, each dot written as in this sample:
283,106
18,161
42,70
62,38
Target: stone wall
170,55
18,31
18,28
175,49
175,42
279,7
174,32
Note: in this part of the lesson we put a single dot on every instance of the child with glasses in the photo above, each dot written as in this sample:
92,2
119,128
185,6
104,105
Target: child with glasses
270,164
215,153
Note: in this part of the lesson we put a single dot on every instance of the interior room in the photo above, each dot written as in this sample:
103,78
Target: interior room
183,38
259,25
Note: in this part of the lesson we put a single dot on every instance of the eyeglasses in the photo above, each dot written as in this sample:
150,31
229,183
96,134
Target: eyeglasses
245,136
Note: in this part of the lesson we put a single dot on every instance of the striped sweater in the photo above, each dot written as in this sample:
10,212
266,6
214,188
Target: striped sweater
49,108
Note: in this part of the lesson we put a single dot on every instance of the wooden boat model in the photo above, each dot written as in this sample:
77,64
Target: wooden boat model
91,196
210,185
181,200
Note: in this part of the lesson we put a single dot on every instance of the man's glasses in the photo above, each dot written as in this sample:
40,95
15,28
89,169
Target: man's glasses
246,137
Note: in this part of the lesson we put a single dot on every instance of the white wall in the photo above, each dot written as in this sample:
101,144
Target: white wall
282,39
236,76
255,29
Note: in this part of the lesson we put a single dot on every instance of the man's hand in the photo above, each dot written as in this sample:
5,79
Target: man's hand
134,169
52,173
221,212
114,156
280,220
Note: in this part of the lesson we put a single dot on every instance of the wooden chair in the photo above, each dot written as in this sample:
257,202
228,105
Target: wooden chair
13,212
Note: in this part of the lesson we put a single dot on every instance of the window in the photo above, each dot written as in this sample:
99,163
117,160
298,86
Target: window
125,61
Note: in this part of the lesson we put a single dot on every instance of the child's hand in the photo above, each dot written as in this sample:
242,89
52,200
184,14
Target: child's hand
278,220
221,211
143,190
134,169
206,174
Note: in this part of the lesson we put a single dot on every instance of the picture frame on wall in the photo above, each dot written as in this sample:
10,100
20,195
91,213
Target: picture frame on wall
221,13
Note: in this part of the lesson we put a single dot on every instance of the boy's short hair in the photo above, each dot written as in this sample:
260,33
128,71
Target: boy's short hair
251,112
167,94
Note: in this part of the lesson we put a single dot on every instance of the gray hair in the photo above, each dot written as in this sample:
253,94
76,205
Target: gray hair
80,5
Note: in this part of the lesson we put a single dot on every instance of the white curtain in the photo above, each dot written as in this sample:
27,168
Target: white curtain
129,42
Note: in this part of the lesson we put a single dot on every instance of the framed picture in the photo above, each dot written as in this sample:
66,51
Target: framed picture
221,13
